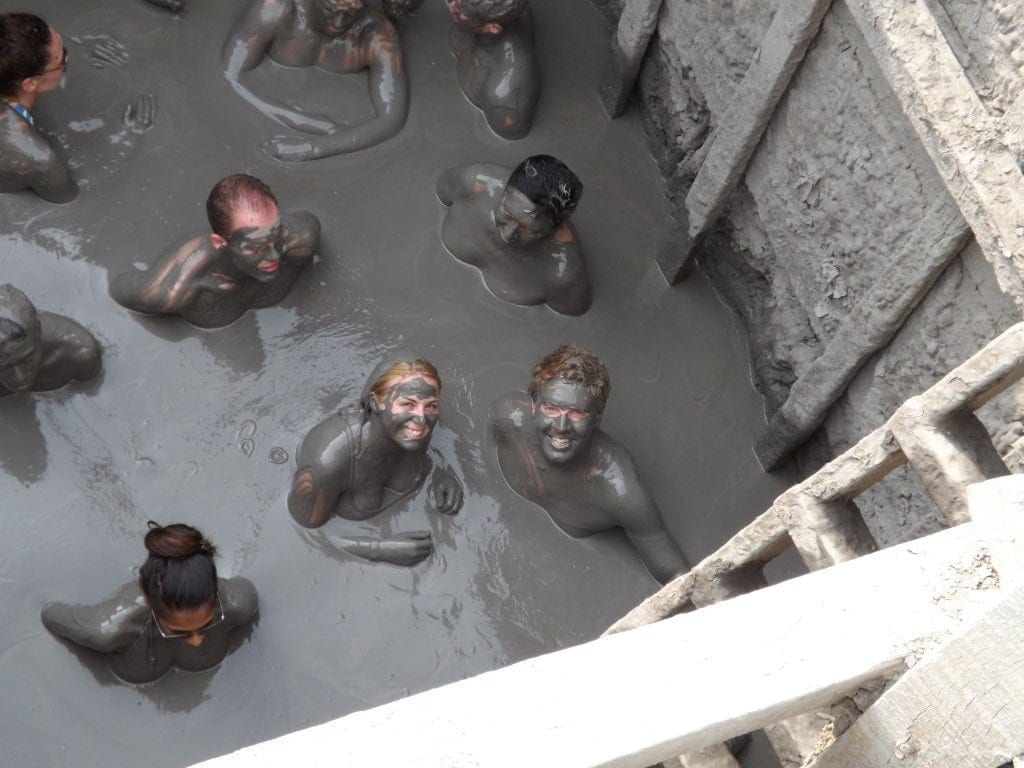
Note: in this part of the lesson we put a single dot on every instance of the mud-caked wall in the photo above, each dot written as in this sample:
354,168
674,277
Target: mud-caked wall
838,193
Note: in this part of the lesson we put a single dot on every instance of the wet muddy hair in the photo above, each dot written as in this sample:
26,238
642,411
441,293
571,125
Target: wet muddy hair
24,40
574,364
500,11
179,573
548,182
400,370
238,191
18,318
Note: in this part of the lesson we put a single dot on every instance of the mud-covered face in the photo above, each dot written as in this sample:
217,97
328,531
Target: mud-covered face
56,64
336,17
565,416
256,245
519,220
190,624
409,411
19,362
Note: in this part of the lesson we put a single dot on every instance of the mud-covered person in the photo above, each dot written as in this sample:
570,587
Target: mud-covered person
33,60
514,227
495,61
369,456
552,452
251,259
42,351
337,36
179,614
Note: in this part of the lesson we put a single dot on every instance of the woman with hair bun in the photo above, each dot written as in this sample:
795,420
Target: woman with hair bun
178,614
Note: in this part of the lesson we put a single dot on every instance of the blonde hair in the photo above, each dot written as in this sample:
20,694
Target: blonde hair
399,371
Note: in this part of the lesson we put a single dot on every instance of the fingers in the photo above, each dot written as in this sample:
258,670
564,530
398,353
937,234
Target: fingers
139,117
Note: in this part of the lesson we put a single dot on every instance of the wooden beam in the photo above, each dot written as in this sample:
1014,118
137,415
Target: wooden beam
631,699
636,26
738,131
964,142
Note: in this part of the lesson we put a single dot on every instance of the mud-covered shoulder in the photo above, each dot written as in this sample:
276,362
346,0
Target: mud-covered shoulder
240,600
107,626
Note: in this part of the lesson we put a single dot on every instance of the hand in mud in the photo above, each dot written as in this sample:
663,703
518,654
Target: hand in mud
291,150
174,5
138,117
445,491
406,548
217,281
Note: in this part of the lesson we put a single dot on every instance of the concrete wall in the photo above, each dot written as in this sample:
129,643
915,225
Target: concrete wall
838,188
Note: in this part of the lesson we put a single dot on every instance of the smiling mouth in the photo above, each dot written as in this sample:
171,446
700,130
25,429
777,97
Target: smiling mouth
268,266
560,443
414,432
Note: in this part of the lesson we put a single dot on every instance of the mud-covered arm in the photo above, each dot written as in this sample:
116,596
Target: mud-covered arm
244,49
301,236
107,627
324,459
567,283
170,286
389,94
240,601
404,549
172,5
643,525
462,180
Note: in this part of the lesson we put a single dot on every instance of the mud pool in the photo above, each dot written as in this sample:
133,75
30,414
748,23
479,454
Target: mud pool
201,426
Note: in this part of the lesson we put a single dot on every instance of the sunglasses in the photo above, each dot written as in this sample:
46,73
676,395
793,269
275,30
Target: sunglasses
217,619
63,66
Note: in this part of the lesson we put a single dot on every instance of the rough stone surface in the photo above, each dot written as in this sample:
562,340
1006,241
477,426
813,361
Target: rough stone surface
835,190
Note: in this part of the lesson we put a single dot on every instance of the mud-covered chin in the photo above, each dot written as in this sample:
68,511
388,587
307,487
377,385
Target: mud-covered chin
412,434
561,449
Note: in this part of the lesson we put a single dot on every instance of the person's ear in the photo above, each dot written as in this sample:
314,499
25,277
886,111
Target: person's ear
375,405
29,85
217,240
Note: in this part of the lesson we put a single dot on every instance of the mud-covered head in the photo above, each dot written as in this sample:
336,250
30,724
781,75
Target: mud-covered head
486,16
539,196
246,224
336,17
179,581
403,394
32,55
569,388
21,343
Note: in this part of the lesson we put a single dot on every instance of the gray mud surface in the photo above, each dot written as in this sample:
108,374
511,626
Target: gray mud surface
191,425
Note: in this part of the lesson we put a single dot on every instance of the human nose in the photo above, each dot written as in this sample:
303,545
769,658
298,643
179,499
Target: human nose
562,422
195,639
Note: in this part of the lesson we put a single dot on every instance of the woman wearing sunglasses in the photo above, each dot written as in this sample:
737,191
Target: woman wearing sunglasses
178,614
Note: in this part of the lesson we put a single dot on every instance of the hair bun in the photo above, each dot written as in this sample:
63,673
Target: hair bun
177,540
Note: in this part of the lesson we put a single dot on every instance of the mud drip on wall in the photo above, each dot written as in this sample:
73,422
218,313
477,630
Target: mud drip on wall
202,426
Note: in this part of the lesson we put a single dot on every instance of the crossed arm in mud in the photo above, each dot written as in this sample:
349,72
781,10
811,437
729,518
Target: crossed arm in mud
211,287
336,36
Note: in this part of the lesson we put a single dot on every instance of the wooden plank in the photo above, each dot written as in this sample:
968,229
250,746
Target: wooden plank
636,26
961,708
964,142
738,131
631,699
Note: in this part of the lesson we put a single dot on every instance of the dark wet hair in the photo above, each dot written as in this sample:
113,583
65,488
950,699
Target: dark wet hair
500,11
548,182
576,364
179,573
231,193
24,43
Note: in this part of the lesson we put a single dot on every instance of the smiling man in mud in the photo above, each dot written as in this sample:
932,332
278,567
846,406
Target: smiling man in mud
337,36
552,452
514,228
33,60
251,259
41,351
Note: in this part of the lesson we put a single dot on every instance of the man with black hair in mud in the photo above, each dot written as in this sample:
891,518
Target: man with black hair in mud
250,260
42,351
338,36
514,228
552,452
33,60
